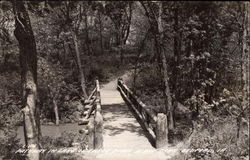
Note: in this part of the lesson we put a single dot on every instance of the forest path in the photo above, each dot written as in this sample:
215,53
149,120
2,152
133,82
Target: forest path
123,137
121,129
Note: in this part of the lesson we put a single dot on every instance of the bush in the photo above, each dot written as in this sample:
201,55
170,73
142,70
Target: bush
96,71
66,140
220,137
147,86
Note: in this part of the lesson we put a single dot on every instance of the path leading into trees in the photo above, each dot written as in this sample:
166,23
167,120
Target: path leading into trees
123,137
121,130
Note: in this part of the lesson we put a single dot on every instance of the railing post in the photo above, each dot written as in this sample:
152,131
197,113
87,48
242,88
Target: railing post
98,120
98,95
161,130
98,130
91,134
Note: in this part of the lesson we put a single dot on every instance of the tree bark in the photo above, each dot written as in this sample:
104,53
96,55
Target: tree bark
66,53
55,106
120,50
28,62
129,17
177,57
118,36
177,48
100,32
245,55
82,76
167,94
56,111
87,33
137,59
244,65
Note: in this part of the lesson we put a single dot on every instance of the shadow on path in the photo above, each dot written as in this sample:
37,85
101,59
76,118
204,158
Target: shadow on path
118,119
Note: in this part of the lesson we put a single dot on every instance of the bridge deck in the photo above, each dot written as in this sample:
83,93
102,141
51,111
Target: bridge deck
123,137
121,129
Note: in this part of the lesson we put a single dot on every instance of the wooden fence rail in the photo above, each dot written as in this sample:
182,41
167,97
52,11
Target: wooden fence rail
95,122
155,125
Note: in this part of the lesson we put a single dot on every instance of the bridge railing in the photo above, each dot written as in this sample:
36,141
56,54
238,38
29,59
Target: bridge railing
94,119
155,125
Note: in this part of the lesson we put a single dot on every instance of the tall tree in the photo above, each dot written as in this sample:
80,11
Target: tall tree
159,39
54,101
75,35
87,41
28,60
245,54
167,94
177,50
244,64
73,25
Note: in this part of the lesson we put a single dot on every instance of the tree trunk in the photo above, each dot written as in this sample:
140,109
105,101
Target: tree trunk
189,48
244,65
137,59
82,77
100,32
177,48
245,55
87,33
56,111
55,106
120,49
126,35
129,17
28,62
118,36
167,94
70,49
66,53
177,57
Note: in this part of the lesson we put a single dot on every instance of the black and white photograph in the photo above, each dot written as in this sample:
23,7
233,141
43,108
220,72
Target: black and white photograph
124,80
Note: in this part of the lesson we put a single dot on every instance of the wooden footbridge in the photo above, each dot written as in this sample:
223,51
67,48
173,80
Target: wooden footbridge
117,119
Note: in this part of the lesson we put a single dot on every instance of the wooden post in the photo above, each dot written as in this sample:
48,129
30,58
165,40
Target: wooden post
97,87
161,130
98,130
98,95
98,120
91,134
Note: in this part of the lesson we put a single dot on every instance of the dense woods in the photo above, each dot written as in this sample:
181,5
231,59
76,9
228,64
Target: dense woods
188,60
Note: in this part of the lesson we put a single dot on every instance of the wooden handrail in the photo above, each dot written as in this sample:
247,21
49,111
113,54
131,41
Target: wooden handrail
95,124
92,94
91,109
97,99
127,91
156,125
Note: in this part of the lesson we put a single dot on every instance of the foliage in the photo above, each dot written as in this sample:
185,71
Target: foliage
113,37
209,77
221,138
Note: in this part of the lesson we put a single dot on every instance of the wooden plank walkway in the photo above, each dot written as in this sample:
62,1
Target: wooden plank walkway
121,129
123,136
